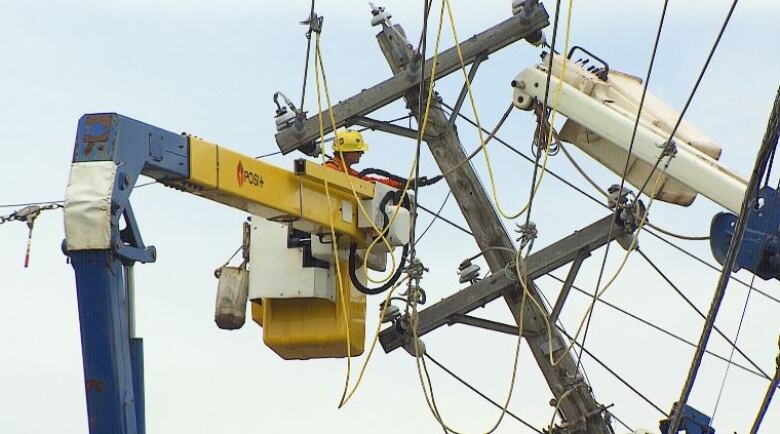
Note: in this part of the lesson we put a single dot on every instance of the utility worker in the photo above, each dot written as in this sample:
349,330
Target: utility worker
348,147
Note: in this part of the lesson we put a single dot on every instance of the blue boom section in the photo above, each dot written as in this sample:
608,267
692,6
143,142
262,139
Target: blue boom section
112,358
693,422
112,406
760,248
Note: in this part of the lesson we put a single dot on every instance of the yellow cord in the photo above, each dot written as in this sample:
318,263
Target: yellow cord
319,69
558,406
385,304
428,388
556,98
343,294
599,292
319,62
406,187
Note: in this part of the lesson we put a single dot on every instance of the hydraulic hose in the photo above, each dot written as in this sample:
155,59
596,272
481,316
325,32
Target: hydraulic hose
423,181
390,197
380,289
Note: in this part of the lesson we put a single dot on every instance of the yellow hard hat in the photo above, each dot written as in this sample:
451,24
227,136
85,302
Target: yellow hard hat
349,141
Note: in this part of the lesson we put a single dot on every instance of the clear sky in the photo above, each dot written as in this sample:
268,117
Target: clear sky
210,68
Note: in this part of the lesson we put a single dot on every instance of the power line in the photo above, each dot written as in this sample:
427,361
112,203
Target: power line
475,390
615,374
710,265
659,328
561,328
750,291
768,143
19,205
435,216
602,204
446,220
770,392
623,176
701,314
524,156
731,356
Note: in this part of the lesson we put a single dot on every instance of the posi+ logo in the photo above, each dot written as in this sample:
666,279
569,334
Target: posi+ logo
247,176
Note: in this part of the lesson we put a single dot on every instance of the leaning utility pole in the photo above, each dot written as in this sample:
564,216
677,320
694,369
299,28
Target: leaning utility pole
579,410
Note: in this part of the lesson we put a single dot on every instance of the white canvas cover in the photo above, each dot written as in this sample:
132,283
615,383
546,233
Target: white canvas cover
88,205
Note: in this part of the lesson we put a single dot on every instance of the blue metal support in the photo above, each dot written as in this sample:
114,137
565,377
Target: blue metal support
691,422
112,356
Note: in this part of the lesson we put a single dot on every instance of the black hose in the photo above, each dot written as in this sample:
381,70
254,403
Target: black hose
380,172
390,196
423,181
380,289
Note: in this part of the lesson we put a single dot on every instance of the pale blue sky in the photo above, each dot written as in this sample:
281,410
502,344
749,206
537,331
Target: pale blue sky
210,68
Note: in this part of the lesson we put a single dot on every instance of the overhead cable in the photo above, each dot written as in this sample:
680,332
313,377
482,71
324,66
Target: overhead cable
770,392
602,204
616,375
659,328
475,390
700,313
768,143
625,170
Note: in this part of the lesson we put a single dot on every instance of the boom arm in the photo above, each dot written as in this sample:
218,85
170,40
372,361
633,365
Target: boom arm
111,152
601,107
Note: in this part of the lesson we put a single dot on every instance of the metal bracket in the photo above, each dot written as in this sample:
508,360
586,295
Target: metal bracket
385,127
567,284
465,89
459,318
128,244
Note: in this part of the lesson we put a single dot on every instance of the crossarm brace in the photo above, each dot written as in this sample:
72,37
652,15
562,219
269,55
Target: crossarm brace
479,294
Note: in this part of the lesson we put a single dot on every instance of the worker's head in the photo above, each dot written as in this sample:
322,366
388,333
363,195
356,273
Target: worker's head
349,146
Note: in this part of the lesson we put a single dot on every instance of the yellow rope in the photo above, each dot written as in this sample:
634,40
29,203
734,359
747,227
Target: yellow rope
343,294
556,98
373,341
319,69
599,292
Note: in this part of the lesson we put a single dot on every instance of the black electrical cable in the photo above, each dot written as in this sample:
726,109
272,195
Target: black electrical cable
525,157
542,117
421,182
482,395
765,228
446,220
389,197
615,374
710,265
731,355
385,286
659,328
271,154
601,203
623,176
698,311
435,216
20,205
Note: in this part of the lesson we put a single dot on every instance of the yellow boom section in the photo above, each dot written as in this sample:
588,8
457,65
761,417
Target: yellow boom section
265,190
